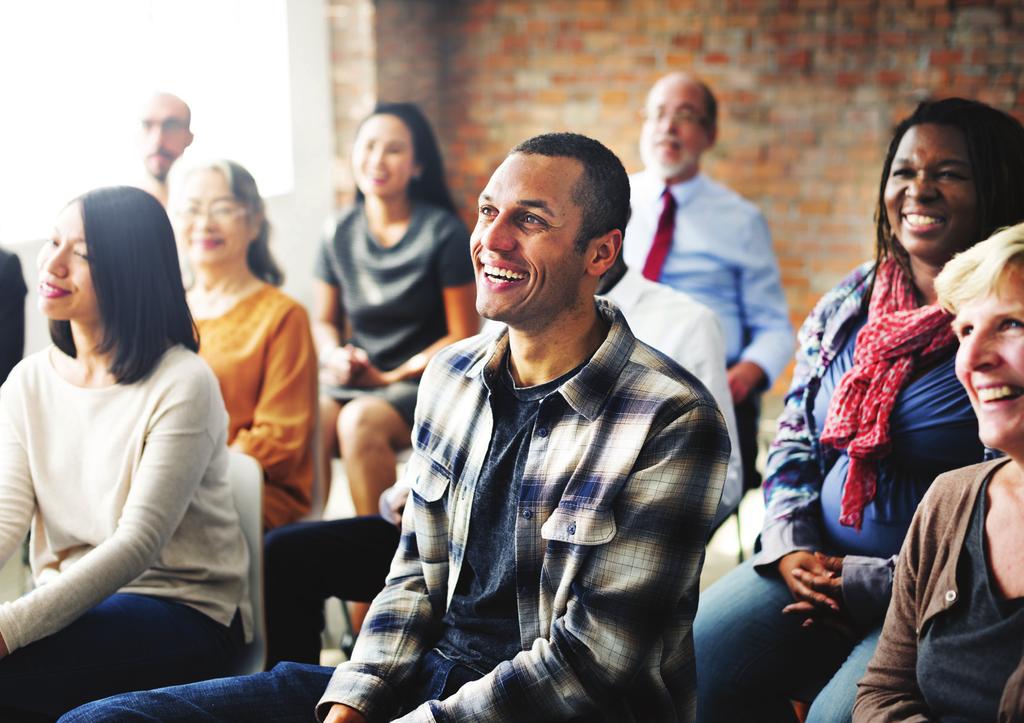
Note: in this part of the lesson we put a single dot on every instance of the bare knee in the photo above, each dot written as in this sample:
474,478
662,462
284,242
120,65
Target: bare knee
367,424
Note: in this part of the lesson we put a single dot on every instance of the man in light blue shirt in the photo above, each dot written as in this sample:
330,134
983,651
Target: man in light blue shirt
719,249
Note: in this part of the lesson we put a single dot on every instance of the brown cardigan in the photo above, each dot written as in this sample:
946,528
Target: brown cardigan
925,586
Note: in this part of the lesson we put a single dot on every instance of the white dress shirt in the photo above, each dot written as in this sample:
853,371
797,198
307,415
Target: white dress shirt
721,256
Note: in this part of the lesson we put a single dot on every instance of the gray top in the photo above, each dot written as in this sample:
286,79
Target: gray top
393,295
966,655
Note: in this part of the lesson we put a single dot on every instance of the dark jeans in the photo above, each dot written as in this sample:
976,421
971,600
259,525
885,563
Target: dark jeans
287,694
127,642
309,562
748,422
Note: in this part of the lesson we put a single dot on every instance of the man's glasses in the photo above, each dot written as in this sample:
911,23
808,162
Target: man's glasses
679,117
168,125
218,211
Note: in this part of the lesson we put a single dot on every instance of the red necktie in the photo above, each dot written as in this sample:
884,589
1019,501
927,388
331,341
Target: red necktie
662,238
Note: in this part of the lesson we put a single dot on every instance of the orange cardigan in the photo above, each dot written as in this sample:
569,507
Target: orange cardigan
262,353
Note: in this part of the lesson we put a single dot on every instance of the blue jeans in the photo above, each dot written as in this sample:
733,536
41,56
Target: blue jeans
752,660
126,642
287,694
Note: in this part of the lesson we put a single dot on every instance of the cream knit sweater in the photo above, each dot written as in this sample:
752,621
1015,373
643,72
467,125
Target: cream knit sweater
125,490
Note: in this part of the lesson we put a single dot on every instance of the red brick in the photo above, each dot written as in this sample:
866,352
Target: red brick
943,58
796,59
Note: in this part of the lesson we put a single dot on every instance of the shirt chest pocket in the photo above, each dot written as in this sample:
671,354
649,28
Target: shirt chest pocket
579,526
431,480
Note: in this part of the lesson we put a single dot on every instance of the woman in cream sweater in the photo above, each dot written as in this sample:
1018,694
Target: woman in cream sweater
113,451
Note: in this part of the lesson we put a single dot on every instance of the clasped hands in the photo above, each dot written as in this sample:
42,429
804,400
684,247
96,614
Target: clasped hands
350,366
816,583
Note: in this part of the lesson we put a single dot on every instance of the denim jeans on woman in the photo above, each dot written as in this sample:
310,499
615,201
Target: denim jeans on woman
127,642
752,659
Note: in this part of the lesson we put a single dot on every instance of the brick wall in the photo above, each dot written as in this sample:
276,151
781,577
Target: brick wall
809,91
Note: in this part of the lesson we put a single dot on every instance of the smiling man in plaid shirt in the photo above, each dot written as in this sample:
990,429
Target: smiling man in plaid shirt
564,480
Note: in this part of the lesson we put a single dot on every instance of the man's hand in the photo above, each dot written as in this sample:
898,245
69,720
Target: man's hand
341,713
744,377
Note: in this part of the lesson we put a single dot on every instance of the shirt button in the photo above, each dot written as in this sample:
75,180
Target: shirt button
572,529
542,432
950,595
527,514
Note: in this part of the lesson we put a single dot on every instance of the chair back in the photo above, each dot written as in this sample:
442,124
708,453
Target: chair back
246,478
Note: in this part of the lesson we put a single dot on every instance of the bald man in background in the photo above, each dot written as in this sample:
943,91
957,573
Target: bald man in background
163,135
703,239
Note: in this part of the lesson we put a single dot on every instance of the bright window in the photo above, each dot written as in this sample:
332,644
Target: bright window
76,72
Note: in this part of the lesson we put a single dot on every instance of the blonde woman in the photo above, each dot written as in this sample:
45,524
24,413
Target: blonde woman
951,644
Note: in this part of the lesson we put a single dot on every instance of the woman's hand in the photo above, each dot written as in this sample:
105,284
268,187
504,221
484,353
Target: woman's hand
344,365
813,578
816,583
371,376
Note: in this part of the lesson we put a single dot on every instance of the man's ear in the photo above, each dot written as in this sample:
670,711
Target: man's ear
712,137
602,252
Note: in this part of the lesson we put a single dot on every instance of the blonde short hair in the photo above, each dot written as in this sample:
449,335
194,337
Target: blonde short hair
982,269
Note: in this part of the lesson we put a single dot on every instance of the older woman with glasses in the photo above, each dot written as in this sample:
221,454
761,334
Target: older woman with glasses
951,644
256,339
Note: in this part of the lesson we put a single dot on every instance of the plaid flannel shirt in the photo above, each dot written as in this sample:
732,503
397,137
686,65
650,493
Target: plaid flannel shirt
624,473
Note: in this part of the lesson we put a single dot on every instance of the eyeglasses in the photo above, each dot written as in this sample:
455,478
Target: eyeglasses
218,211
168,125
681,116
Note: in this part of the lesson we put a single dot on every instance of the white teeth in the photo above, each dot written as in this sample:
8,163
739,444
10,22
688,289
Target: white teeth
503,273
991,394
917,219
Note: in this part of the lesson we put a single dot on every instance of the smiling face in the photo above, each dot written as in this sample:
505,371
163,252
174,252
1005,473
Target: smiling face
930,197
674,134
212,226
65,287
528,271
990,362
383,157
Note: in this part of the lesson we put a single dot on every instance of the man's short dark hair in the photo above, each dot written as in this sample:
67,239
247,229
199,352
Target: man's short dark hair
137,279
602,191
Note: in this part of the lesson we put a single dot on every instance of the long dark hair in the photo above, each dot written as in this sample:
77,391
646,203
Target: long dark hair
135,273
995,147
430,186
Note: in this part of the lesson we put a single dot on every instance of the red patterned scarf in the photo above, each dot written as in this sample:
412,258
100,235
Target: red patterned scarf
897,335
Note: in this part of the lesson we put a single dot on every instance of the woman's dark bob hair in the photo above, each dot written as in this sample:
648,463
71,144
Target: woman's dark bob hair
429,186
135,273
995,146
